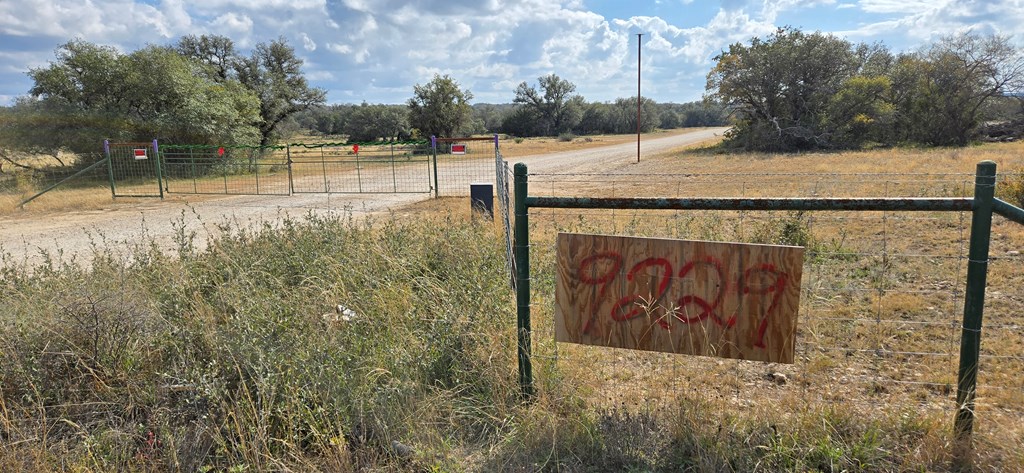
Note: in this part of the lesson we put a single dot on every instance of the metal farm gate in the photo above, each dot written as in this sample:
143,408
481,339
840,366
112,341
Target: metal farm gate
368,168
459,162
444,166
225,170
134,169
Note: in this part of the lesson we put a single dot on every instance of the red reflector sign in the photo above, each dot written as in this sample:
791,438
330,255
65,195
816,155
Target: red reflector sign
140,153
458,149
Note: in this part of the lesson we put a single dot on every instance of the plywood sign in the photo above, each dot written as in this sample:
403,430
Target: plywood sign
691,297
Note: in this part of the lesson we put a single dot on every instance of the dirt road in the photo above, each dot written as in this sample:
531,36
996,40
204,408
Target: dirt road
610,159
71,236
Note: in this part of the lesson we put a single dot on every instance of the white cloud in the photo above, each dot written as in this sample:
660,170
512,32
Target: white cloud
259,5
901,6
339,48
319,75
117,21
924,21
359,48
176,16
488,45
772,8
307,43
357,5
361,55
232,25
20,61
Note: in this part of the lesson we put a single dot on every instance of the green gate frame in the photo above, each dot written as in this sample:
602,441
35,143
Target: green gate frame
981,206
119,167
434,140
114,163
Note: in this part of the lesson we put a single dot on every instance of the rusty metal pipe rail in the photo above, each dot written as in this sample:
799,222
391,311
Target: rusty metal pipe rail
840,204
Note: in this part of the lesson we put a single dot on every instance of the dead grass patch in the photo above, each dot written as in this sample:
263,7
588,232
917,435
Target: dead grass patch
881,303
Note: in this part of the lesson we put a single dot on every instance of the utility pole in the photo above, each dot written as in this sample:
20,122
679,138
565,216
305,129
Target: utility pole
638,43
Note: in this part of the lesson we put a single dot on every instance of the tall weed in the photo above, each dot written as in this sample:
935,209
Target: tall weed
237,356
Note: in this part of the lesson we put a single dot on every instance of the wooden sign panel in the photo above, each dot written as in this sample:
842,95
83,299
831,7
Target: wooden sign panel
690,297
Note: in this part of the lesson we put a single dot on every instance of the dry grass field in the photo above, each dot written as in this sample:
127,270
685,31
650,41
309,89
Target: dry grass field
243,373
882,297
882,303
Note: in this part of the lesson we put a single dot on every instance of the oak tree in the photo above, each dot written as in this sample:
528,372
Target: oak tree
439,108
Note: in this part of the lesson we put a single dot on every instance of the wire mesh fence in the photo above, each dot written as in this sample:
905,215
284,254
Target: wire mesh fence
881,308
463,161
503,175
151,169
393,167
226,170
134,169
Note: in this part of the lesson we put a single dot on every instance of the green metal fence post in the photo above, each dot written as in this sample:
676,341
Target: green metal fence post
288,157
522,256
256,170
159,173
110,167
394,172
974,306
359,174
192,161
433,145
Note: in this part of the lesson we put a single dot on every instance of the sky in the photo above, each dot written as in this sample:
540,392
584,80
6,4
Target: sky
377,50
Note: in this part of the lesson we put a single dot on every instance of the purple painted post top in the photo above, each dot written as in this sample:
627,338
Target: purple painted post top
495,140
106,147
156,149
433,141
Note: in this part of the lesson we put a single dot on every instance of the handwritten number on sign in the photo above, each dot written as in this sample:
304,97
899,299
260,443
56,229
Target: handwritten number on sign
706,309
630,301
763,279
760,280
613,262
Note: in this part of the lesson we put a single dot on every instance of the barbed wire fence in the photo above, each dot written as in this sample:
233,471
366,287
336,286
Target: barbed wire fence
882,298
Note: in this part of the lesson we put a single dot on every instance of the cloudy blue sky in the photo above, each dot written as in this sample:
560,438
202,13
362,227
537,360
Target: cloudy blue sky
376,50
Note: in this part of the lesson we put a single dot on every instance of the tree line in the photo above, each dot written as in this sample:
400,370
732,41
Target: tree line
202,89
796,91
789,91
198,90
543,117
